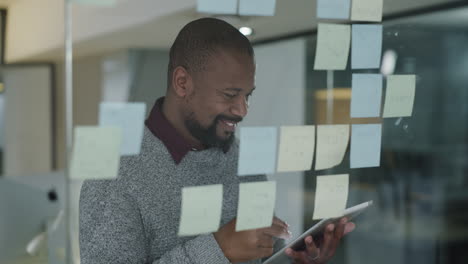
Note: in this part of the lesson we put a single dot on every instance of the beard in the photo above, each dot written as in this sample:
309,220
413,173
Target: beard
208,136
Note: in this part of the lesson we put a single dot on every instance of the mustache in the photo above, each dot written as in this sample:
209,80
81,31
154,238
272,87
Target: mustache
229,118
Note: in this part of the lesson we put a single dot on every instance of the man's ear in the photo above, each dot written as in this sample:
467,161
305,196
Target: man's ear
182,82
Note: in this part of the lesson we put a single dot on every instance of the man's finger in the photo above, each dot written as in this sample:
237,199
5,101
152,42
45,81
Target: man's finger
296,256
277,231
311,248
339,231
328,238
338,234
350,226
277,221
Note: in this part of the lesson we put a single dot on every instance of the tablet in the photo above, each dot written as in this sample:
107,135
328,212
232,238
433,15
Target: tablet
280,257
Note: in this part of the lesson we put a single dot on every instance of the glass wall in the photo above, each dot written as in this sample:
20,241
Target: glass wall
120,54
420,191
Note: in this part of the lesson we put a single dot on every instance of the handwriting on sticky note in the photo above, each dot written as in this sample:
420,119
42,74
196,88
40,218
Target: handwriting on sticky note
332,142
333,9
257,7
331,196
257,150
366,96
96,153
400,95
296,148
367,10
366,141
256,205
130,117
201,209
333,42
217,6
366,45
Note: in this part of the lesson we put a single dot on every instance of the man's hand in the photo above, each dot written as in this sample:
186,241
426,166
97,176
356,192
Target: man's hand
250,244
314,254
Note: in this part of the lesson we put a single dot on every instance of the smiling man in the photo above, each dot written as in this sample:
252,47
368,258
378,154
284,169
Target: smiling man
189,141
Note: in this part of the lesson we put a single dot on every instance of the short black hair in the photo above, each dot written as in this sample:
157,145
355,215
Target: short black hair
201,39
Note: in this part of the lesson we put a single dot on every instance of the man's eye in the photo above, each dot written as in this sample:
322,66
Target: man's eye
230,95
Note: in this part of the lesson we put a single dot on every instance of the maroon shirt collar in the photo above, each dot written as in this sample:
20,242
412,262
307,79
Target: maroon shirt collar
161,128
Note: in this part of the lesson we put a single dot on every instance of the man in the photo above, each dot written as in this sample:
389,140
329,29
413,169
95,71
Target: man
188,141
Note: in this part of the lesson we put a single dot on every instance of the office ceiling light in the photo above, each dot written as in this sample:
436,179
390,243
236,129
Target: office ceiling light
246,31
389,61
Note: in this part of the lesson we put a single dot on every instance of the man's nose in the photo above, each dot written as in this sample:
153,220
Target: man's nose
240,107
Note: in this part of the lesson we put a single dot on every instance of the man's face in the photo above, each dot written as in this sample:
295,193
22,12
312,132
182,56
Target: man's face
220,98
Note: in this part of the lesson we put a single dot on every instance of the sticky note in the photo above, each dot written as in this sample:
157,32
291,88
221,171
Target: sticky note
333,43
296,148
366,141
201,209
366,95
217,6
331,196
96,153
367,10
256,205
332,142
257,150
130,117
333,9
366,48
257,7
399,98
95,2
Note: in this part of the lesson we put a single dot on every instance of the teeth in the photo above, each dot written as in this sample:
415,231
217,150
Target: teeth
229,123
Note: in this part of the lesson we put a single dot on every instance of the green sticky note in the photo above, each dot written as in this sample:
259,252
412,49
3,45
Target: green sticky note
201,209
333,43
332,142
399,98
331,196
256,205
96,153
367,10
296,148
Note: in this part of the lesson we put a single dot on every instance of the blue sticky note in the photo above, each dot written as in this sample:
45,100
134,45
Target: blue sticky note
366,98
257,150
366,141
130,117
333,9
366,46
257,7
221,7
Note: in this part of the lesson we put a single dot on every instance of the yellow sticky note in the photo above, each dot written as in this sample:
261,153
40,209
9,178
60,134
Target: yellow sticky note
201,209
332,142
296,148
399,98
256,205
96,153
331,196
333,43
367,10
